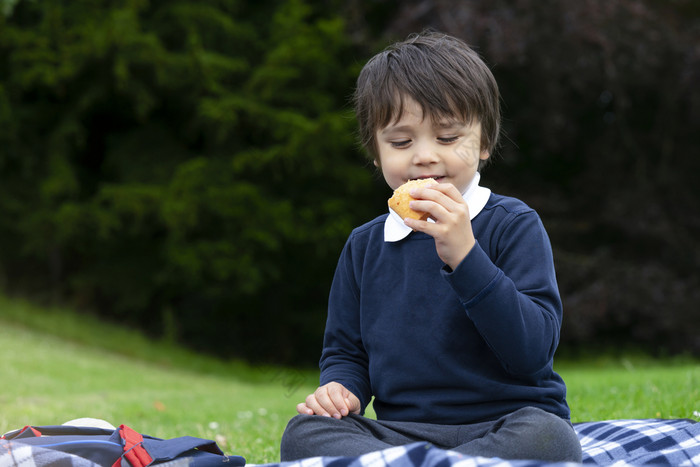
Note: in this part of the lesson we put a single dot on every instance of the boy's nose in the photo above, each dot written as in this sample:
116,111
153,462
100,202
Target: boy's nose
424,154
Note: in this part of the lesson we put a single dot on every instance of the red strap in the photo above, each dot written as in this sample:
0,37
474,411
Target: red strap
34,431
134,451
24,430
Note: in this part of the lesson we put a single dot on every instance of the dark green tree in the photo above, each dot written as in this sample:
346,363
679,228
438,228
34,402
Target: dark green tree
189,167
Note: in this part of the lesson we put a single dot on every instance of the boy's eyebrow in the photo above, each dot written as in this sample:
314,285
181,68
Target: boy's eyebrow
449,124
390,129
442,124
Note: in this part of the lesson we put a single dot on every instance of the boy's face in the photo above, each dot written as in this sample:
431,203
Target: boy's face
413,147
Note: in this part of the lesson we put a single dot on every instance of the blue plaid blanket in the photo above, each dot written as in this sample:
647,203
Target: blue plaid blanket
16,454
637,442
613,442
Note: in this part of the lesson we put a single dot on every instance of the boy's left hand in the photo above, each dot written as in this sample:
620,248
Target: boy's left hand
452,229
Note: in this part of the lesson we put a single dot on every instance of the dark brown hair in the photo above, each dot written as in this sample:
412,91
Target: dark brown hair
441,73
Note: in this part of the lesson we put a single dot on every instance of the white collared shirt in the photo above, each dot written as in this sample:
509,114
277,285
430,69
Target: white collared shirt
475,196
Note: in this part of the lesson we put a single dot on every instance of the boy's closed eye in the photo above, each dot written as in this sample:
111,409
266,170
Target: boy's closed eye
401,144
448,139
442,140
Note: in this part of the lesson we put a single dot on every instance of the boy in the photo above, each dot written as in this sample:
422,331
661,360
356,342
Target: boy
451,323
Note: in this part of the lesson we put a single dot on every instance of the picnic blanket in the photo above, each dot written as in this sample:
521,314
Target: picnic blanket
613,442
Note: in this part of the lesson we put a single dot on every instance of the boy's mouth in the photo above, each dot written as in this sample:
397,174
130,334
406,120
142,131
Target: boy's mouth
437,178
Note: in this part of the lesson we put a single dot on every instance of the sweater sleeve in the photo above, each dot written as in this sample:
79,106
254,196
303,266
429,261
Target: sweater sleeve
344,359
511,294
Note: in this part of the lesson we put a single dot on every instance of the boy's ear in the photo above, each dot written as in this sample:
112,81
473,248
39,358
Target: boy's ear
376,162
484,155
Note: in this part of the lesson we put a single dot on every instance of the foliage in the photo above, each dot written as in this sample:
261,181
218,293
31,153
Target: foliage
190,168
183,166
601,110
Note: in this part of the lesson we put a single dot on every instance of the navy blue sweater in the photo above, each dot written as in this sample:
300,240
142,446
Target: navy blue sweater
451,347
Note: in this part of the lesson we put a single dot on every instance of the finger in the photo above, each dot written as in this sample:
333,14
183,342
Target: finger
354,404
448,190
325,403
433,208
443,204
304,409
430,228
444,194
316,407
445,223
338,395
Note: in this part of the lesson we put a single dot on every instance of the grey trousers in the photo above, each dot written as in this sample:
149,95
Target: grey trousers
528,433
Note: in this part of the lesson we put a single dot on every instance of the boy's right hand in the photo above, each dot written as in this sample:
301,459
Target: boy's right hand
330,400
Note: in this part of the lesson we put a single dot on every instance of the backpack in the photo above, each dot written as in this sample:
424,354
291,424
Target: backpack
121,447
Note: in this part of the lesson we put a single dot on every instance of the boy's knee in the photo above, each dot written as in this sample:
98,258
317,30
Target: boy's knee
548,437
300,433
292,438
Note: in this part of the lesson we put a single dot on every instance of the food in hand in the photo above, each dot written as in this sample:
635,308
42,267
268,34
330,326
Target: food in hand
400,199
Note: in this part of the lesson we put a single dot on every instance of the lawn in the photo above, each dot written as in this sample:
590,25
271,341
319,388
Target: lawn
58,366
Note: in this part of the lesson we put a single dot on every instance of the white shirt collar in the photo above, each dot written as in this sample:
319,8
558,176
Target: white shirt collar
475,196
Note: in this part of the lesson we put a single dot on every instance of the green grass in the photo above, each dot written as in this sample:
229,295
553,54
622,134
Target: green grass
632,387
57,365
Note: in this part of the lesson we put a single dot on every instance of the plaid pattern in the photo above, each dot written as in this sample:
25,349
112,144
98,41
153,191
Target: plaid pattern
619,443
414,455
14,454
637,442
